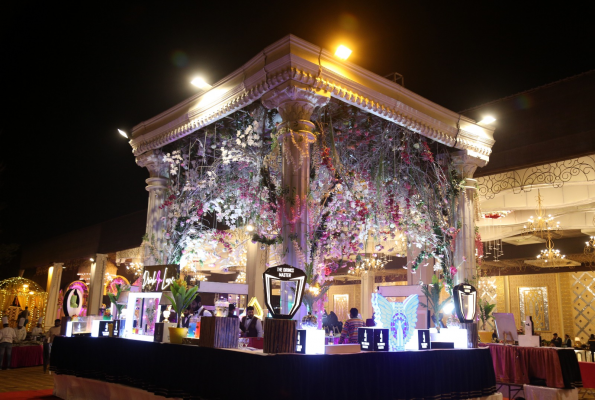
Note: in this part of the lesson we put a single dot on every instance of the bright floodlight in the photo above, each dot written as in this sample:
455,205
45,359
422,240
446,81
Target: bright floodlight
449,308
487,120
123,133
249,227
92,260
200,83
343,52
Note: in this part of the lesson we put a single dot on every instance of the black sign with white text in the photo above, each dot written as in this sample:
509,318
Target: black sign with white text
380,339
300,346
365,337
423,339
158,278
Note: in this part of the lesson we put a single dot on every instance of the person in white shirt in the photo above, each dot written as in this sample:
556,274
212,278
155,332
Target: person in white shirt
21,331
37,331
54,331
250,325
7,337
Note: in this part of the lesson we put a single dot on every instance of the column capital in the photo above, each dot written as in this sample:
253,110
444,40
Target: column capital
295,101
153,161
466,162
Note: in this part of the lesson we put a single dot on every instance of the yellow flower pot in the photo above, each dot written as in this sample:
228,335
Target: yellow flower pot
485,336
177,334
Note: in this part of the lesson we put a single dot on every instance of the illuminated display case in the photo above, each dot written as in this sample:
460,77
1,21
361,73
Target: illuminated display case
142,312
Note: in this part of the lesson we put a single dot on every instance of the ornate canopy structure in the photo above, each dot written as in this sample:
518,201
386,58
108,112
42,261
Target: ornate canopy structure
284,100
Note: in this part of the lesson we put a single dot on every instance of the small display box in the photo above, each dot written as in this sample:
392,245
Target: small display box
219,332
373,339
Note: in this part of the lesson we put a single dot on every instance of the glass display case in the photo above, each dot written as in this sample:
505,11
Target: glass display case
142,312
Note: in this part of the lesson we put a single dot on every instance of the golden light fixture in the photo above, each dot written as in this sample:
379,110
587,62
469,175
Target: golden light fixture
343,52
369,264
487,120
542,224
590,249
241,277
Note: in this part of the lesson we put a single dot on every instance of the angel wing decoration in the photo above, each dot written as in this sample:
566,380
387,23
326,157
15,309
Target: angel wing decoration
399,318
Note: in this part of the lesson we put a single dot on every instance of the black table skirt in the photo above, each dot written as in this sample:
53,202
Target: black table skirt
201,373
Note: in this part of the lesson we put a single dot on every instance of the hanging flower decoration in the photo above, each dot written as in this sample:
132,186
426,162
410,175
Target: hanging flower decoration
371,181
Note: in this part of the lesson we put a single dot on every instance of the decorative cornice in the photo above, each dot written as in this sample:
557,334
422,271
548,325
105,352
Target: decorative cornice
292,59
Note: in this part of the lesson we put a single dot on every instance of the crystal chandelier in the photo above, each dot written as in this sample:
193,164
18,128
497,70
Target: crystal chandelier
374,263
590,249
135,268
241,277
542,223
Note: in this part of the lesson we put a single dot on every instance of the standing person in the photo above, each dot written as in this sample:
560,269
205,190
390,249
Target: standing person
21,331
37,331
592,346
50,335
349,332
24,314
567,340
557,341
7,337
196,309
232,310
251,325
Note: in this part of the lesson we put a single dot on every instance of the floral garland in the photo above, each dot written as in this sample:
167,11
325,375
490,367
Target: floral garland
370,181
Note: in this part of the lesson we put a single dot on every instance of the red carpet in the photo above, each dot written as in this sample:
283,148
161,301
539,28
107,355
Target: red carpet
46,394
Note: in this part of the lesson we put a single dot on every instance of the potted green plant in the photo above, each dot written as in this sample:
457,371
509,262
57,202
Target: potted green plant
432,292
180,299
114,298
485,314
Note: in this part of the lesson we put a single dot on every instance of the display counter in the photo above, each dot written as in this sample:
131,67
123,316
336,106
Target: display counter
558,367
26,355
195,372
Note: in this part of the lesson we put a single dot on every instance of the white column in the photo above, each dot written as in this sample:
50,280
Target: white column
53,290
295,103
255,267
98,268
367,288
465,242
156,186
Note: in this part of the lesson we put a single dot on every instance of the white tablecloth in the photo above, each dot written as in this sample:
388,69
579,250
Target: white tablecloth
546,393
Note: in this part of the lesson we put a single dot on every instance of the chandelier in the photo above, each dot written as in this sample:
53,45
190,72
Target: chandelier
135,268
369,264
542,223
590,249
241,277
493,248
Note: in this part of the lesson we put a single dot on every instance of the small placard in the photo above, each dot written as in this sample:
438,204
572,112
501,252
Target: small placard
423,339
380,339
300,346
365,337
104,328
118,325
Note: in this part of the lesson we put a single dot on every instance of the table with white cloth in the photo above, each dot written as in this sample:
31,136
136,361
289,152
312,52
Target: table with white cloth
547,393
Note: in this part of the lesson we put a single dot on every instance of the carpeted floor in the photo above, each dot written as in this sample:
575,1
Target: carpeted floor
26,383
45,394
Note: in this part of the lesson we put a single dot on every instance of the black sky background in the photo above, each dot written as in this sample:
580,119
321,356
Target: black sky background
72,73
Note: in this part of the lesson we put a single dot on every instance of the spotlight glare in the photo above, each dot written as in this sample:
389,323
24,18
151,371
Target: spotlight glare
200,83
343,52
123,133
487,120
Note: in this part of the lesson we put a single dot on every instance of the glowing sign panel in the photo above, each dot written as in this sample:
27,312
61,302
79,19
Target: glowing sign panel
284,273
157,278
399,318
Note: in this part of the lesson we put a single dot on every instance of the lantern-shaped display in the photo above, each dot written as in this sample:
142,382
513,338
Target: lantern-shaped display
465,298
284,273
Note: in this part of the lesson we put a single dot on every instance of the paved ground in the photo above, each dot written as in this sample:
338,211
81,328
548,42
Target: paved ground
30,380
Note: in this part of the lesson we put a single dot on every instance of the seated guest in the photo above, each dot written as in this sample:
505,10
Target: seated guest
250,325
349,332
557,341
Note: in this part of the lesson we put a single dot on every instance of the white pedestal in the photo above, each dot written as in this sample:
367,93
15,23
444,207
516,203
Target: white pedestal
457,336
529,341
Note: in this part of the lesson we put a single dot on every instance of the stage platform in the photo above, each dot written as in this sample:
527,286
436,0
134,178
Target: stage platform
190,372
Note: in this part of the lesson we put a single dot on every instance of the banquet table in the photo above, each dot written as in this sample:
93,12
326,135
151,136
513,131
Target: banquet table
173,370
26,356
558,367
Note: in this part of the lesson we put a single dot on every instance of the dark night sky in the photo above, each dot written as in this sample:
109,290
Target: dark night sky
71,76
